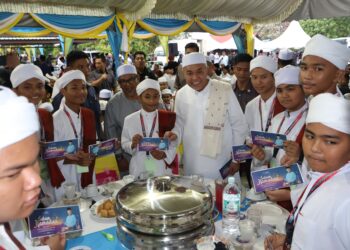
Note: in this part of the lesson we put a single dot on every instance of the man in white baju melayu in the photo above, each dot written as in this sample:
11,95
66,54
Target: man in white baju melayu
209,121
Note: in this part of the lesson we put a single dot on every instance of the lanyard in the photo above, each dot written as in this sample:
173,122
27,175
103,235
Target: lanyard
268,122
143,126
73,127
293,217
297,119
144,129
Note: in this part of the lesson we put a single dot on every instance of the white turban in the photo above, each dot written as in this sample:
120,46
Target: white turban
126,69
330,110
330,50
105,94
64,80
287,75
285,54
193,58
162,79
166,92
24,72
19,118
264,62
147,84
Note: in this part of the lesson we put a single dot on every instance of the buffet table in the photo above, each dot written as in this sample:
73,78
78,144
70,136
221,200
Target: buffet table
92,236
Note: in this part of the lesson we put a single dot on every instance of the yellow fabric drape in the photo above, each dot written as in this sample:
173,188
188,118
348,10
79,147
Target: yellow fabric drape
164,43
250,38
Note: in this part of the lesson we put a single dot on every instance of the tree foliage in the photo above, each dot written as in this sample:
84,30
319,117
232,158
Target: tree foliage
330,27
145,45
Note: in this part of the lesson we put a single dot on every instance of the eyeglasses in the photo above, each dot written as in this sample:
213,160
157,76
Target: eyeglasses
129,81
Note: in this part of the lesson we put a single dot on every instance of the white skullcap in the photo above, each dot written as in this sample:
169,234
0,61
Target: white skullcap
69,76
105,94
193,58
19,118
166,92
330,110
47,106
65,79
162,79
103,104
264,62
24,72
285,54
287,75
330,50
147,84
126,69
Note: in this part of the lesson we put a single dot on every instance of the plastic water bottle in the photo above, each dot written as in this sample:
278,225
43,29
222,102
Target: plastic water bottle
231,201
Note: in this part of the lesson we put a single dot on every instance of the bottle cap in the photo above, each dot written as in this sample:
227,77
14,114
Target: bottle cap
231,180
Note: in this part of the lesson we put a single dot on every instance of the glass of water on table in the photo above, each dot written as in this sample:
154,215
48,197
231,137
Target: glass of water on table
255,214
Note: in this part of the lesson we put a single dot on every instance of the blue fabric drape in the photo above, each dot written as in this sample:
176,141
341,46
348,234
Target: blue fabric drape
217,25
115,40
239,41
4,15
165,23
74,22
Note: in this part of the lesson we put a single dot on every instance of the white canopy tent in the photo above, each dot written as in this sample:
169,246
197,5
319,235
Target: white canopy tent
293,37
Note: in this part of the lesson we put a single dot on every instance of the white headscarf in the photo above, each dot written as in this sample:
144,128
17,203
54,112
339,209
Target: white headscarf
147,84
287,75
19,118
264,62
332,51
24,72
330,110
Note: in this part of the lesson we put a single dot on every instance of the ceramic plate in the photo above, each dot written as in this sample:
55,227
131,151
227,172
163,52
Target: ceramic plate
94,215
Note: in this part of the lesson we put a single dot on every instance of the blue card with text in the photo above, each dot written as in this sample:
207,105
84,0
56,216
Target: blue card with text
241,153
55,220
57,149
276,178
103,148
150,143
268,139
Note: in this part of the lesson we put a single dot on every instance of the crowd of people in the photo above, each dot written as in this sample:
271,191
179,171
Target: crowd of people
202,113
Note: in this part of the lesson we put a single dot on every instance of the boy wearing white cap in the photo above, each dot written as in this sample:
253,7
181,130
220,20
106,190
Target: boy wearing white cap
167,98
209,120
323,65
291,123
260,111
28,81
145,123
163,83
320,218
19,169
72,121
285,57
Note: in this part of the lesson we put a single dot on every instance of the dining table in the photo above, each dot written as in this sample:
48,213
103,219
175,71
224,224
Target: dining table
95,230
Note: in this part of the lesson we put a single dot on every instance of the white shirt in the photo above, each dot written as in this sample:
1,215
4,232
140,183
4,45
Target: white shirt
224,60
190,108
171,81
8,244
289,118
324,221
252,113
132,126
63,131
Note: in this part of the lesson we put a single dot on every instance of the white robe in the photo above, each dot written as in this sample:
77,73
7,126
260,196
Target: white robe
252,116
132,126
63,131
324,221
252,113
190,108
